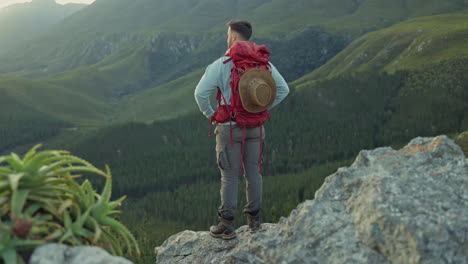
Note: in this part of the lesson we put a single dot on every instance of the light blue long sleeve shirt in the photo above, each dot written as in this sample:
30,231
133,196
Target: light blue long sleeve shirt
218,74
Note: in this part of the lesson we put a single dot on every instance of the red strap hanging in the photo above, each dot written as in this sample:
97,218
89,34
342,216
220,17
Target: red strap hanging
260,159
230,134
244,136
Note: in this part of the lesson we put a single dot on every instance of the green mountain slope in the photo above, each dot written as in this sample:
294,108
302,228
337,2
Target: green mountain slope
135,84
106,82
112,58
142,84
375,14
22,22
408,45
162,102
22,124
103,28
54,101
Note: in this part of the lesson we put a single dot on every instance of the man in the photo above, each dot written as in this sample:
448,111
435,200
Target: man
231,139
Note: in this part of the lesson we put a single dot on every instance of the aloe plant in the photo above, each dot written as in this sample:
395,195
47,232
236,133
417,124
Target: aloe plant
41,202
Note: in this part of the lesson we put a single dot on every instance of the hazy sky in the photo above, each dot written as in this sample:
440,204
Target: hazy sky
4,3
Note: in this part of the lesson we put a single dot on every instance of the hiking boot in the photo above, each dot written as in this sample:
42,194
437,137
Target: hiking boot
225,229
253,221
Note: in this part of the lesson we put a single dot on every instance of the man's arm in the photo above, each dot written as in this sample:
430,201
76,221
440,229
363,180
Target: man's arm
282,88
208,83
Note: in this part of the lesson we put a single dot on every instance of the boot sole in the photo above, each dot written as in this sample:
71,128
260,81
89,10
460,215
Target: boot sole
224,236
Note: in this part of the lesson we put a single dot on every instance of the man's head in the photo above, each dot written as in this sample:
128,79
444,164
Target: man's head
238,31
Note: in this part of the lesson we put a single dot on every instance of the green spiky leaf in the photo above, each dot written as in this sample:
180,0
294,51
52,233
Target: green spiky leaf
41,202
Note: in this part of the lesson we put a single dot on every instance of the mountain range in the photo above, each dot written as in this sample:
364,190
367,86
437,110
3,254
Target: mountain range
130,65
110,27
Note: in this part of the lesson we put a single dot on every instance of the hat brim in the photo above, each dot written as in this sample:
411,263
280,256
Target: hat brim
244,86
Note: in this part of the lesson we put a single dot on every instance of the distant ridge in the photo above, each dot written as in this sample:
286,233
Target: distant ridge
407,45
43,2
24,21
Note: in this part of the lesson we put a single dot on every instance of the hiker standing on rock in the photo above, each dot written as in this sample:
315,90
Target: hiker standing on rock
247,85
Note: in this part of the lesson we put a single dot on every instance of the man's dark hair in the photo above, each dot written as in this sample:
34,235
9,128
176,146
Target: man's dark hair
243,28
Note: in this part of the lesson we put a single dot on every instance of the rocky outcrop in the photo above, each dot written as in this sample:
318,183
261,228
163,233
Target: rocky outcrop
389,206
61,254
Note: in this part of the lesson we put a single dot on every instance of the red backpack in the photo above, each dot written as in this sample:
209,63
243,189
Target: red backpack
245,56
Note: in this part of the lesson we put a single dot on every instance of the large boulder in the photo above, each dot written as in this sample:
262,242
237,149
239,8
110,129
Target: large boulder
389,206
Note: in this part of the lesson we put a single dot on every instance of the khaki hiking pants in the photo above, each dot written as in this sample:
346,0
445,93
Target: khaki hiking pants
229,161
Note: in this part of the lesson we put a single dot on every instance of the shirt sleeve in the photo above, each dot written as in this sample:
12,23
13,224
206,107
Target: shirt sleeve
282,88
208,83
